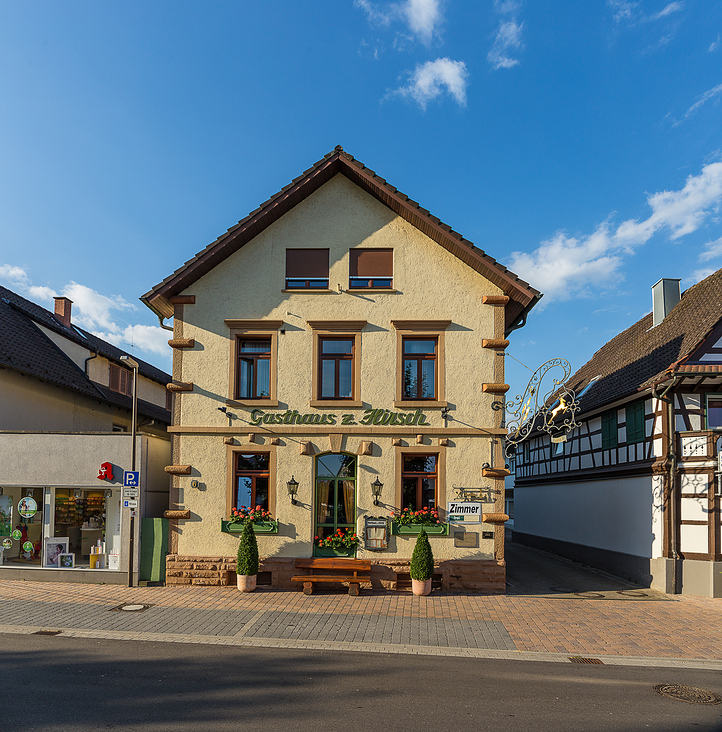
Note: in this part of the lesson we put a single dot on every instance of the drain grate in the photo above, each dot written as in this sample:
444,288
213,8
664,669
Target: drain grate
582,659
130,608
47,632
690,694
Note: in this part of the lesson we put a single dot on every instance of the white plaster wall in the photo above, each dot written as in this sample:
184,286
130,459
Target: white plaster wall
430,283
617,515
694,539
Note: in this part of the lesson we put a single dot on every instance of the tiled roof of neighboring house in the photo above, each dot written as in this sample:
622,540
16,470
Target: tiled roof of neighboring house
26,349
522,295
643,355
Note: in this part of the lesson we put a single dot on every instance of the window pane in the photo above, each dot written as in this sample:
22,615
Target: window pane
263,384
345,509
328,373
345,386
245,379
261,493
714,413
253,462
413,346
408,499
260,346
243,495
337,346
428,379
428,492
419,463
410,379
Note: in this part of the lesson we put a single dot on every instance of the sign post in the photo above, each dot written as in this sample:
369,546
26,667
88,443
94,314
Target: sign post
128,361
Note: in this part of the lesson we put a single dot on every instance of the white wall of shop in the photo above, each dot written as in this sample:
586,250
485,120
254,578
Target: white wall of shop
617,515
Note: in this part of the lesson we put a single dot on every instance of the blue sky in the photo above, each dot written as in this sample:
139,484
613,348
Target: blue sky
578,143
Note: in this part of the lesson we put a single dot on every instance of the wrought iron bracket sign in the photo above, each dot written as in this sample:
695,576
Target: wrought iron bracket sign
546,405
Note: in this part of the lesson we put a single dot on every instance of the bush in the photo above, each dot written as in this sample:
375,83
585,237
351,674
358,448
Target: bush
422,560
247,551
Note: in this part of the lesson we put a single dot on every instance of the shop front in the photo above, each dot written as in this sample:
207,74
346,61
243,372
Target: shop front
62,513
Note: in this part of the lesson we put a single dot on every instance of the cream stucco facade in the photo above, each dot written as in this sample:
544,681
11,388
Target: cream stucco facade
434,294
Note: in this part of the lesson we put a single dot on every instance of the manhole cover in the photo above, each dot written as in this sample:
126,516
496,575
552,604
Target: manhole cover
130,608
690,694
591,595
47,632
582,659
565,590
633,593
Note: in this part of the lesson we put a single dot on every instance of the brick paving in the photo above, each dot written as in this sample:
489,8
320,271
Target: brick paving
614,621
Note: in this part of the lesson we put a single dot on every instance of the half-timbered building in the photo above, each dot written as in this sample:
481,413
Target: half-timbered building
635,488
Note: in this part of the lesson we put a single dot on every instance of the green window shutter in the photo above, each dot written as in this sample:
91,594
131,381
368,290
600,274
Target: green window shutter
609,429
635,422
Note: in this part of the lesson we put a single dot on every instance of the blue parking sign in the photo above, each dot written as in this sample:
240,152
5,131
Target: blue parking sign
131,478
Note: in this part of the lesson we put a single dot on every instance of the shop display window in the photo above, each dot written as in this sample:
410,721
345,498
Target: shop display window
21,526
80,517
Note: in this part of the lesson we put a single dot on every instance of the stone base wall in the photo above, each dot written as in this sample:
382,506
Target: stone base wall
486,577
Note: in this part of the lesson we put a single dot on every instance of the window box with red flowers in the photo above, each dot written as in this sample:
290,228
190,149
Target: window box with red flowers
262,521
410,523
339,544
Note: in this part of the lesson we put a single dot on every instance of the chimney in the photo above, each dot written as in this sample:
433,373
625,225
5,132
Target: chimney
62,310
665,295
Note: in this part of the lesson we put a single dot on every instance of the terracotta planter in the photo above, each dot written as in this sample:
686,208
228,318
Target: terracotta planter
246,582
421,587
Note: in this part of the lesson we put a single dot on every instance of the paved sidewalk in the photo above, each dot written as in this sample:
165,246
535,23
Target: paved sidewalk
582,613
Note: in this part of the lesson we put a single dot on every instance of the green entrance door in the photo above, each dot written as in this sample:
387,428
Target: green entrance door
335,496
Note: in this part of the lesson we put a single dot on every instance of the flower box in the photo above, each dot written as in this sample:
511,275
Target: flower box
415,529
327,551
259,527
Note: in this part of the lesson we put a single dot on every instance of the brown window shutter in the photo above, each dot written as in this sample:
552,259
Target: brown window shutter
308,263
371,262
114,381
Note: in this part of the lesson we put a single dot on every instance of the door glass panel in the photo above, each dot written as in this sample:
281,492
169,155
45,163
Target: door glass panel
324,499
337,464
346,510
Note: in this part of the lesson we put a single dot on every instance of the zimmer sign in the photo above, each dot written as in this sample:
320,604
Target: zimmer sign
463,512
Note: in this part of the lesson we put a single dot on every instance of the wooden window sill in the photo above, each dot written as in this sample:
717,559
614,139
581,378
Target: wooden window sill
335,403
313,291
384,290
415,404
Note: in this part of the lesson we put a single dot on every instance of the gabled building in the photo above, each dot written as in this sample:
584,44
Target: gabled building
635,489
65,442
337,342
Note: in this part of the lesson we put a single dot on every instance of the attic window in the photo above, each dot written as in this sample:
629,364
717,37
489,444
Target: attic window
306,269
588,387
371,268
120,380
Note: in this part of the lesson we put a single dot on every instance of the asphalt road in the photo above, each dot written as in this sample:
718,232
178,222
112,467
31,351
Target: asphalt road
57,683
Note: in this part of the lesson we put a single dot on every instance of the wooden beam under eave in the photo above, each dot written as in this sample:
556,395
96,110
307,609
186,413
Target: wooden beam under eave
495,388
495,299
182,342
494,473
179,386
494,518
177,514
496,343
178,469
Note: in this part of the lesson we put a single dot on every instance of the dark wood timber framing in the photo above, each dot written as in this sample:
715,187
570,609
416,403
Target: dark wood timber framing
522,296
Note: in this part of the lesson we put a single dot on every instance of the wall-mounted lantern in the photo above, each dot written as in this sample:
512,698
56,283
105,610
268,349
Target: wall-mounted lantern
292,486
376,488
376,534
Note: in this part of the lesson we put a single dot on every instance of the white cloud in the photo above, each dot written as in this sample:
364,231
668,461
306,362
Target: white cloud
507,7
13,274
93,309
714,45
149,338
44,294
432,79
709,94
622,10
698,275
564,267
422,17
508,38
712,250
670,8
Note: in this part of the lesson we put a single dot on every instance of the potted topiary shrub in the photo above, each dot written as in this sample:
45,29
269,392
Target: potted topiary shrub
247,561
422,565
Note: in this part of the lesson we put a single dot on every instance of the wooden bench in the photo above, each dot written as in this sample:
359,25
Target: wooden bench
319,569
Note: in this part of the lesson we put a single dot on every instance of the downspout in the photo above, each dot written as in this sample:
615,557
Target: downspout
160,321
673,468
90,358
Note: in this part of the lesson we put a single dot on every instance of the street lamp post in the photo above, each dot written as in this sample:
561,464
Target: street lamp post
133,364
